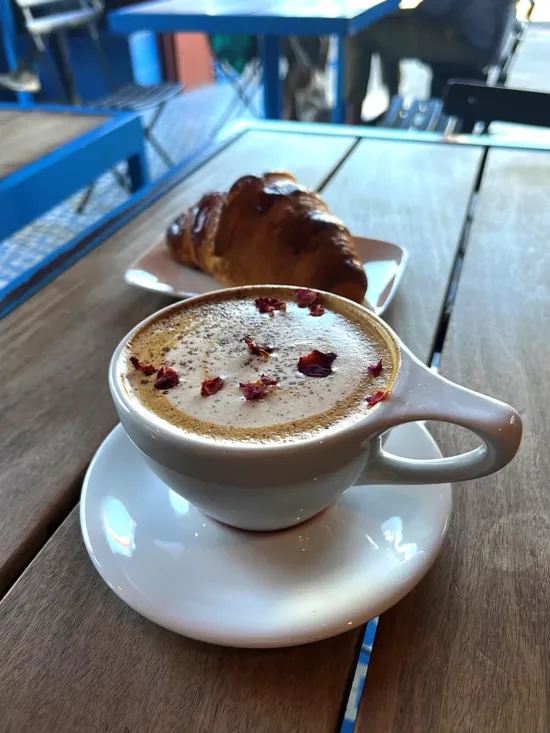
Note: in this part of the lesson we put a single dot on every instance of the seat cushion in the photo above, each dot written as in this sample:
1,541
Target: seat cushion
137,97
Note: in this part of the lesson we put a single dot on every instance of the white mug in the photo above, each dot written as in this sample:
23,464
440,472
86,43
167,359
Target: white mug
273,486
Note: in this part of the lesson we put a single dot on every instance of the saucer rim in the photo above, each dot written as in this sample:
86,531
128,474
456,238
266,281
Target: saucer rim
217,636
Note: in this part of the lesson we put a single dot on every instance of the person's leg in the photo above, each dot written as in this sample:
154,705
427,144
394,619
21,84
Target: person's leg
391,75
357,63
292,80
405,34
303,55
410,35
386,38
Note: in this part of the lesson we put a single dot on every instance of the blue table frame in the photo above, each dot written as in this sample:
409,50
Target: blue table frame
269,19
37,187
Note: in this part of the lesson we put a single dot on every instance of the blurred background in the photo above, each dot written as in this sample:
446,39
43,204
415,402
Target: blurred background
190,88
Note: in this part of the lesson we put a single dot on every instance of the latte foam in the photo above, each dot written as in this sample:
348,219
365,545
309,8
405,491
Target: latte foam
208,338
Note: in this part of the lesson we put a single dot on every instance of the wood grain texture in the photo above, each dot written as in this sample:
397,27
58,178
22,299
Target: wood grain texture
415,195
75,658
56,347
469,649
8,115
28,136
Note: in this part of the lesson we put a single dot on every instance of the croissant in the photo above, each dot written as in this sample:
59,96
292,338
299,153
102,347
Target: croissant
269,230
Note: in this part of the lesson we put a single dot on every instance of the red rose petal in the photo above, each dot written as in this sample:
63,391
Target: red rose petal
166,378
305,297
268,381
263,351
253,390
375,370
257,390
147,369
376,398
316,309
268,305
308,299
211,386
316,364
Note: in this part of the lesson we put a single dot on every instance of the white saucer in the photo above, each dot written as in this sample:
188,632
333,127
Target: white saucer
207,581
155,270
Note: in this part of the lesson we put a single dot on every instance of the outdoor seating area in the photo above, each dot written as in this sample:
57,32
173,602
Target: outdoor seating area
223,551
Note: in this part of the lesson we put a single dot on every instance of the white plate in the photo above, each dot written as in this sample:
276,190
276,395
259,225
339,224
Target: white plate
207,581
384,264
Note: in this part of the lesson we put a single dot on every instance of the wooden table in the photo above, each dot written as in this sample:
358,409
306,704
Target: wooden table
269,19
49,153
468,649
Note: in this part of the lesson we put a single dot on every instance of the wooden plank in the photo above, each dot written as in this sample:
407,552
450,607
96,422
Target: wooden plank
468,650
8,115
56,347
415,195
31,135
75,658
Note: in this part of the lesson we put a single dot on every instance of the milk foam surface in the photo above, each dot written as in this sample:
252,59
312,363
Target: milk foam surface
206,341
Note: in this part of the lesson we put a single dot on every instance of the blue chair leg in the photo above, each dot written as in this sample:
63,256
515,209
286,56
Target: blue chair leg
271,54
138,171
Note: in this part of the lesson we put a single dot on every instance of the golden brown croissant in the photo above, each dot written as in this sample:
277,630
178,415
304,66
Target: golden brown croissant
269,230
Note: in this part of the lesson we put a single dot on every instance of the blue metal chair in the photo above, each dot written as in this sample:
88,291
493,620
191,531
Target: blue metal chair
242,69
45,19
49,21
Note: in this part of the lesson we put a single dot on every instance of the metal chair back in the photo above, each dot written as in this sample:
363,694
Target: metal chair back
45,17
481,103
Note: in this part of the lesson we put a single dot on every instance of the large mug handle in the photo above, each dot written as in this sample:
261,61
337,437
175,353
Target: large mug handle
428,396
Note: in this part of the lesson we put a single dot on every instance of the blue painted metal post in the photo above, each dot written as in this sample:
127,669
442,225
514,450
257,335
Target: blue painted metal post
138,170
271,54
339,113
7,27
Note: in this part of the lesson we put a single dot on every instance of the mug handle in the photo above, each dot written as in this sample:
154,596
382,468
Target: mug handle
432,397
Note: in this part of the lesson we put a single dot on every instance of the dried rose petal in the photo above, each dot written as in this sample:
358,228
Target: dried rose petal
211,386
253,390
376,398
316,364
305,297
147,369
375,370
166,378
268,381
316,309
268,305
257,390
308,299
263,351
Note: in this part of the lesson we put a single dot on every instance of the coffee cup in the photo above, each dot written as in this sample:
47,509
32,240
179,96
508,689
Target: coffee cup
271,486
